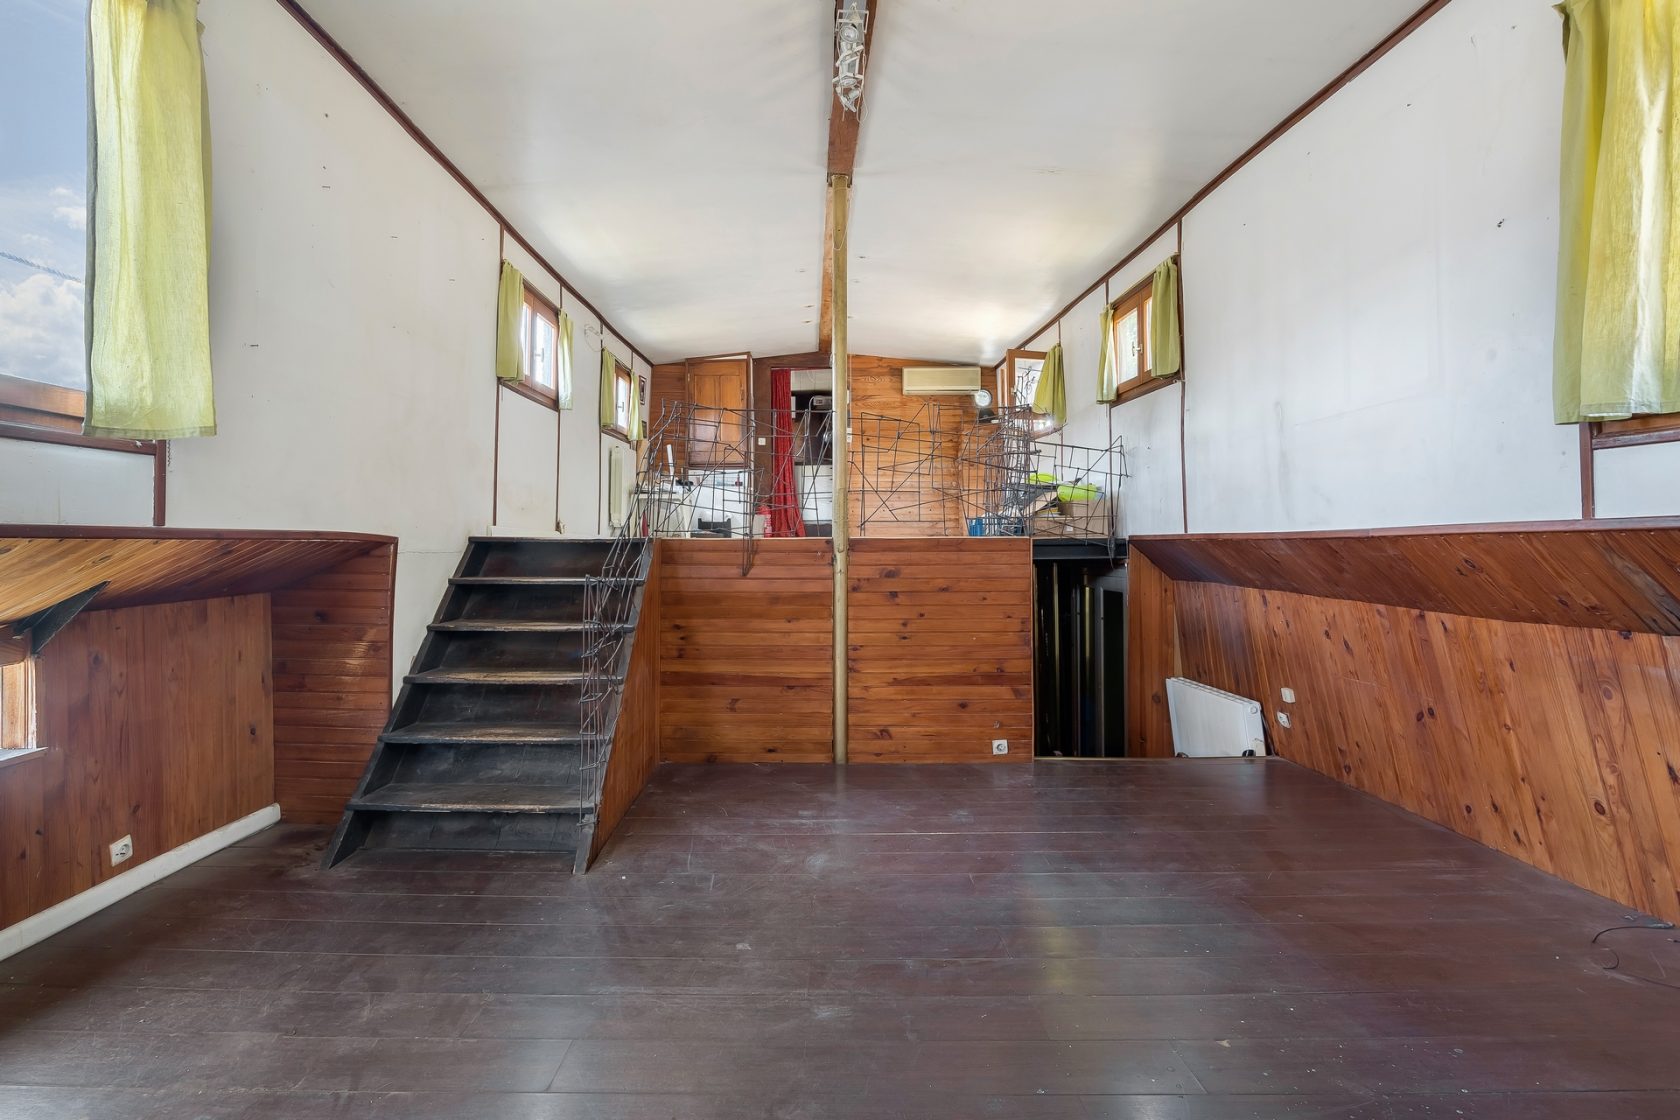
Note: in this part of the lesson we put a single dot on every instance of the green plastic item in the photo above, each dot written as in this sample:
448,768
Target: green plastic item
1078,492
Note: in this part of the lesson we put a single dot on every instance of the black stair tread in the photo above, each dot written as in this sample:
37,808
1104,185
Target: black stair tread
465,797
519,581
537,581
443,733
514,626
496,676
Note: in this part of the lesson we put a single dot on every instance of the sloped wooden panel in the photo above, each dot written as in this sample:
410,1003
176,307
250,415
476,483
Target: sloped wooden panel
44,564
1604,574
939,650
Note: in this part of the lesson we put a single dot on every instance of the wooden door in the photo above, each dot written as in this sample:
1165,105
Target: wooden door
717,388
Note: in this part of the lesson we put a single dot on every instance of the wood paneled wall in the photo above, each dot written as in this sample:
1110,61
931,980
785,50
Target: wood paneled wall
746,670
940,650
903,491
1151,657
1557,744
156,724
635,749
332,682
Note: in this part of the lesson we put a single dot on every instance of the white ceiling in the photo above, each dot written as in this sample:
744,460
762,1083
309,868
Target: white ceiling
669,157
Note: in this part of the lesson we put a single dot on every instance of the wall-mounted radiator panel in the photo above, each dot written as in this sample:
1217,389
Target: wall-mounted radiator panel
1209,723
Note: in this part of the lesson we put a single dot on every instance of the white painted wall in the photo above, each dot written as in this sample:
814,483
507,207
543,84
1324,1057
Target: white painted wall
353,317
45,484
1369,307
1637,481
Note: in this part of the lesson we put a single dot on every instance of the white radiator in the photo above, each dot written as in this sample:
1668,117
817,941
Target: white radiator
1209,723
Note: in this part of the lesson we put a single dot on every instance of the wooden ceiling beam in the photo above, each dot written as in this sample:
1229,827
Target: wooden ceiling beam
843,128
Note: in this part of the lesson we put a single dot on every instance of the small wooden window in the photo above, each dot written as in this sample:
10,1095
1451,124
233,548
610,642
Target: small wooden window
1133,347
1637,430
539,343
17,708
623,391
1018,383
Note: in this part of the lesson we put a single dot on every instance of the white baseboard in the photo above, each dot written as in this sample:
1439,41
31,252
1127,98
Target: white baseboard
16,938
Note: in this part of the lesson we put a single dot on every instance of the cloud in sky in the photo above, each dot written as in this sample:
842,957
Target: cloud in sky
41,330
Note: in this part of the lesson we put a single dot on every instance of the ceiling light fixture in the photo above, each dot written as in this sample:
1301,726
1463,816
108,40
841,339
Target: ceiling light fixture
850,22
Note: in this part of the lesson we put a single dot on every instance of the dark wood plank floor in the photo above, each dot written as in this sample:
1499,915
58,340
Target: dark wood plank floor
1173,941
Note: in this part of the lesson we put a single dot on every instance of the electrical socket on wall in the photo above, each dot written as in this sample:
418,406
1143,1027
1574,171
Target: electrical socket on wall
1000,746
1283,719
1289,696
122,851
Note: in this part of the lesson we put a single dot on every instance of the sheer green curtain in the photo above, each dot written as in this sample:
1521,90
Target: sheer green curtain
1108,370
1617,351
1050,397
510,311
563,375
609,389
148,308
1165,336
635,425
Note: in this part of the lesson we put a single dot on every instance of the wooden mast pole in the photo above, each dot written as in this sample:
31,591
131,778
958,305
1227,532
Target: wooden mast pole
839,199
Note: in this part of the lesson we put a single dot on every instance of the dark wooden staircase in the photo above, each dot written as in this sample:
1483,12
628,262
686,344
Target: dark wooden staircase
500,733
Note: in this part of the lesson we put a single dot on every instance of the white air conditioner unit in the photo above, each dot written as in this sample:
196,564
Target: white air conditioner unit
932,381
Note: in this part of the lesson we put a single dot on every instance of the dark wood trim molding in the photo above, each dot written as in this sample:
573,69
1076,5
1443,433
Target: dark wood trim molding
532,393
140,532
30,434
1589,495
160,485
1149,385
344,59
1369,59
1599,525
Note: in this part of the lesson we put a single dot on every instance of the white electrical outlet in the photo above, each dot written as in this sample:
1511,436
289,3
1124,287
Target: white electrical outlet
122,851
1283,719
1000,746
1289,696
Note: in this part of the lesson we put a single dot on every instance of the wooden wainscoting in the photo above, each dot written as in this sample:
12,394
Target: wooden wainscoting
940,650
1151,657
746,672
1556,742
332,681
635,749
155,723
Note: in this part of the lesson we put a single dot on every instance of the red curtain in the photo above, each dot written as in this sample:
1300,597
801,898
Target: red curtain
785,519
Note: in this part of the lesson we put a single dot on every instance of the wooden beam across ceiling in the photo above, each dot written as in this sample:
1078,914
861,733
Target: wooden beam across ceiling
843,128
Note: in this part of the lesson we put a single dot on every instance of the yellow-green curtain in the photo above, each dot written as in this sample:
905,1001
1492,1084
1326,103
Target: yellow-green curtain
1165,338
609,389
148,307
1050,397
1108,370
510,307
563,376
1617,350
635,425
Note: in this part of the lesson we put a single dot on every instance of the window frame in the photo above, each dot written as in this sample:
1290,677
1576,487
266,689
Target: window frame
1041,425
40,404
535,307
622,375
18,727
1636,431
